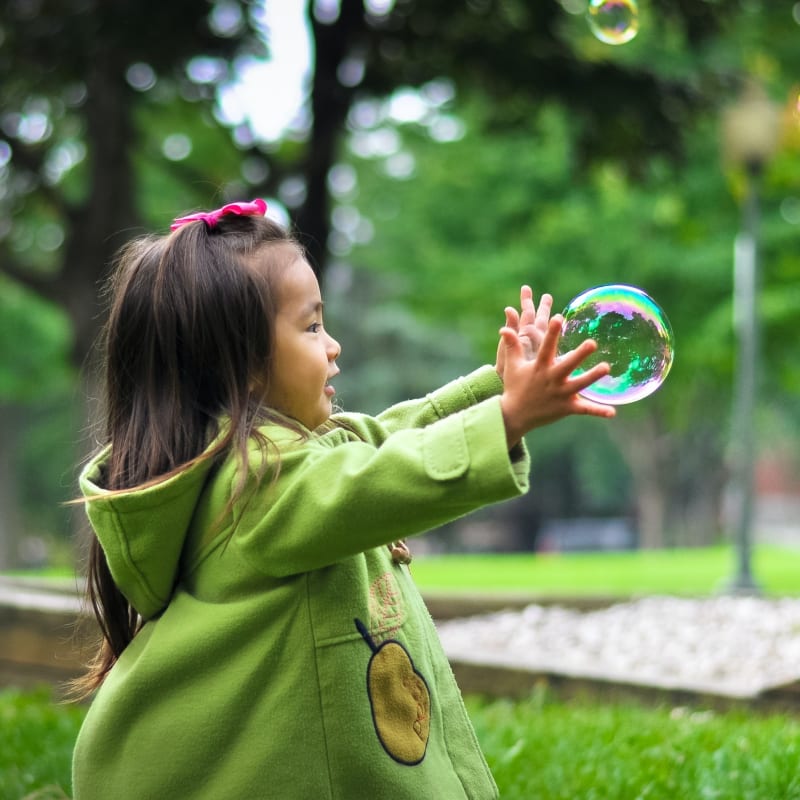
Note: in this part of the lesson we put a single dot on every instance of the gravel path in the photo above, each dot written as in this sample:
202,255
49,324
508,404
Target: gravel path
731,646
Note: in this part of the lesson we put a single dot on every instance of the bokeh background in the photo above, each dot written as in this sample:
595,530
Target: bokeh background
433,155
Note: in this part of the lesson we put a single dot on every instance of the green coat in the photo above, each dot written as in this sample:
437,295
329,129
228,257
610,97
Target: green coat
295,660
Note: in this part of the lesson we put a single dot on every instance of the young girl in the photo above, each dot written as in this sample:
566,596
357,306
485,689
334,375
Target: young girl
263,637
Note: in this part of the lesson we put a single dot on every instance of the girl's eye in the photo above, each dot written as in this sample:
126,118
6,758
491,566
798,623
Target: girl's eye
315,327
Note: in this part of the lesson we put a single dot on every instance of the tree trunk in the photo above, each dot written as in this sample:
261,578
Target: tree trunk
10,514
104,222
678,478
651,507
98,229
699,484
330,103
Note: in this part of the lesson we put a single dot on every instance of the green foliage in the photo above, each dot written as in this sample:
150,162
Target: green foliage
540,749
465,239
47,470
207,167
36,742
582,164
90,100
35,340
483,213
37,389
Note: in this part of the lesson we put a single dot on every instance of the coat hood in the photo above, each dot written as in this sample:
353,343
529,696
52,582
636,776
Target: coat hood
142,532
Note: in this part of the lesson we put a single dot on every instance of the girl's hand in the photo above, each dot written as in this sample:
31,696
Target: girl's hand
542,391
531,325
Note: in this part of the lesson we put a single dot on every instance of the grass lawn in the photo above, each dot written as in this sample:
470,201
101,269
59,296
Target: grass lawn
538,749
693,571
681,572
541,748
545,750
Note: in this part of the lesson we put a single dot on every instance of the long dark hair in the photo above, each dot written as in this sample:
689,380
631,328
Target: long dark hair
189,336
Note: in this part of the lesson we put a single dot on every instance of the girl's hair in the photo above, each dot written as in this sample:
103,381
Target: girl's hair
188,342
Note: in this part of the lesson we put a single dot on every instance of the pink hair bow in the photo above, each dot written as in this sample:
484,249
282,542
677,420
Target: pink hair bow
254,208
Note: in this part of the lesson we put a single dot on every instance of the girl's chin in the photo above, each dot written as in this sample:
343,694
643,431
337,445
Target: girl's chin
325,413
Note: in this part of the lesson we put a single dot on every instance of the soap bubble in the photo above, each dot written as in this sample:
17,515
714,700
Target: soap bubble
633,335
613,21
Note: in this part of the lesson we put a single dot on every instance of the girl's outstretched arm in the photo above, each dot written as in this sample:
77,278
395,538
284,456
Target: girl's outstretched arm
542,391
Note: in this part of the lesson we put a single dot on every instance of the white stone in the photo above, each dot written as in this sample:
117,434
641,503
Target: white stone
735,646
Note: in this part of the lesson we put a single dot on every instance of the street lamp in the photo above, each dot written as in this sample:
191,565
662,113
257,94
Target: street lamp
750,129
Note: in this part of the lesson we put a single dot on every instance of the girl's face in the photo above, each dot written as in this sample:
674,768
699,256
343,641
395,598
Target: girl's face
304,357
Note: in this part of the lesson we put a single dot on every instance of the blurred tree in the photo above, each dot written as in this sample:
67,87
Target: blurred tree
77,81
461,238
108,118
520,55
32,370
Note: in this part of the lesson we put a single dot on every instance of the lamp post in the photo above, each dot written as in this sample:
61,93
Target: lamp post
750,137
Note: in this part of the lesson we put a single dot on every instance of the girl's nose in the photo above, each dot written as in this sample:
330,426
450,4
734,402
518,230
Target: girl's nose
334,348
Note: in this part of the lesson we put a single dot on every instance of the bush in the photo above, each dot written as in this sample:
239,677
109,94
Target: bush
36,740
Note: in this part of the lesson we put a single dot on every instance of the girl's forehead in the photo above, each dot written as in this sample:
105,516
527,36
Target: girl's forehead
299,285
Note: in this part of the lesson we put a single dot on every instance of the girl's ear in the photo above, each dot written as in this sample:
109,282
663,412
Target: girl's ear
257,385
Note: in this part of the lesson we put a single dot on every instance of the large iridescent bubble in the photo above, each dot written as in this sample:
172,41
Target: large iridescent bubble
633,335
613,21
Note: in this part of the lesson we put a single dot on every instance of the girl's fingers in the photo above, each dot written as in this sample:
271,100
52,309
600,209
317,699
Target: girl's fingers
526,305
545,307
548,349
584,406
511,340
512,318
570,361
586,379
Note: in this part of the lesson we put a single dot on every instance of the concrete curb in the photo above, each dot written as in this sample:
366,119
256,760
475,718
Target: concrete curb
499,681
43,640
454,605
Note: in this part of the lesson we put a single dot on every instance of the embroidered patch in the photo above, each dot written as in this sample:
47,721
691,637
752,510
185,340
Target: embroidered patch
387,611
400,700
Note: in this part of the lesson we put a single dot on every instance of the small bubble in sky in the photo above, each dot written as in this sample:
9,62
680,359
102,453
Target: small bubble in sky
613,21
